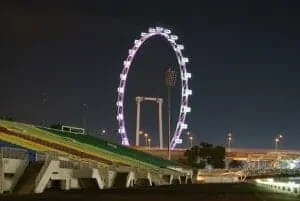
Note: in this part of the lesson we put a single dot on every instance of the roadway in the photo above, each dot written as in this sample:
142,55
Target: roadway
243,154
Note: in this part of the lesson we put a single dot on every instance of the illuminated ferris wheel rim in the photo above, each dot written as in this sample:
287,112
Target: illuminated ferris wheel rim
184,75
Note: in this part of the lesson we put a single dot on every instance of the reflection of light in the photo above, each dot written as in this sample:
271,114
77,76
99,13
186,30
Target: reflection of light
200,178
281,184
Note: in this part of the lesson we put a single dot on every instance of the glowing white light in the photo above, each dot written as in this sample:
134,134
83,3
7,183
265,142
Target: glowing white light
186,109
159,29
143,34
187,92
122,130
121,90
119,103
184,126
174,37
123,76
178,141
279,184
180,47
125,141
185,59
167,31
171,41
126,64
188,75
137,42
151,30
120,117
131,52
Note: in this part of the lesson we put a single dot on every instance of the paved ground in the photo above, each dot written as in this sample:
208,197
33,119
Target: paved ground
205,192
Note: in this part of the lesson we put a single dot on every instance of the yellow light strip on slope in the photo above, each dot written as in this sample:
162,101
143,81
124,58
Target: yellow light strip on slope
31,130
38,147
53,138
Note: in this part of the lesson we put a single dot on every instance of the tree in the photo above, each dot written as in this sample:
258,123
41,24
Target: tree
206,154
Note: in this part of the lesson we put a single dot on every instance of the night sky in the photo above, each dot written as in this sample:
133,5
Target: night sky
244,60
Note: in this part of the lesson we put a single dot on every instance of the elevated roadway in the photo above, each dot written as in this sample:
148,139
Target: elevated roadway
242,154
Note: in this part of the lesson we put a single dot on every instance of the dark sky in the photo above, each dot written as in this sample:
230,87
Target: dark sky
244,59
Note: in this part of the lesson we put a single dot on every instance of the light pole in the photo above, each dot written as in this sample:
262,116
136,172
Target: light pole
170,82
146,136
229,139
190,139
45,99
149,142
278,139
84,107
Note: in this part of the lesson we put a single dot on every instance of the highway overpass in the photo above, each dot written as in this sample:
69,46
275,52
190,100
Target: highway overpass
241,154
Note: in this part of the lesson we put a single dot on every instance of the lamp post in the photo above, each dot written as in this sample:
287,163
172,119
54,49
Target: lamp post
190,139
170,82
149,142
229,139
278,139
44,99
85,108
146,136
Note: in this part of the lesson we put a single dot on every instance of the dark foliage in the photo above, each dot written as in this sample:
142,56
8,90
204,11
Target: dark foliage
206,154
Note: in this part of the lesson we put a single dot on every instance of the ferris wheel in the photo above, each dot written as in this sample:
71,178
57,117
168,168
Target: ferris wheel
184,75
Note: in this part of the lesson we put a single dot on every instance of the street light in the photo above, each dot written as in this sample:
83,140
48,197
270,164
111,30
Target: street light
45,100
229,139
84,115
170,82
278,139
146,136
190,139
149,142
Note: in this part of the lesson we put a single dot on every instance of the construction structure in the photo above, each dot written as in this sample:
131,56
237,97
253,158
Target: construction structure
139,100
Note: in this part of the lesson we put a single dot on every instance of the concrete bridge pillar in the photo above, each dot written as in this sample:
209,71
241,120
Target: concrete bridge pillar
176,180
65,184
189,180
87,176
124,179
168,178
108,176
143,179
183,179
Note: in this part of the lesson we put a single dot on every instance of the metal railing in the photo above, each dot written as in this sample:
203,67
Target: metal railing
14,153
